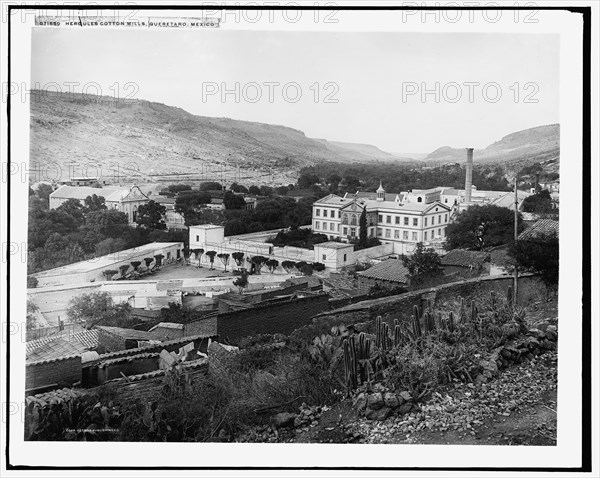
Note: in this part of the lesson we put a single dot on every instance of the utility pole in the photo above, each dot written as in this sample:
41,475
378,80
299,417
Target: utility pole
516,273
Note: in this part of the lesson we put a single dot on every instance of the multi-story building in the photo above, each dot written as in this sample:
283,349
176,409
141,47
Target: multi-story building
390,217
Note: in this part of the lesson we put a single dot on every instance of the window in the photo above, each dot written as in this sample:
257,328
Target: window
331,226
317,225
324,212
388,233
352,231
345,219
324,257
396,234
338,230
380,218
415,221
406,221
379,233
344,257
419,199
197,238
405,235
432,220
446,200
353,220
339,214
440,232
425,236
388,219
318,212
345,231
414,236
397,219
440,219
446,218
424,222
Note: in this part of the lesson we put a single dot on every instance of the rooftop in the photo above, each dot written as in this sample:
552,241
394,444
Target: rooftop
333,200
392,270
334,245
58,348
540,229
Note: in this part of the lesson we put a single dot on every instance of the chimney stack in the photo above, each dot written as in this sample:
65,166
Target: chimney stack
469,175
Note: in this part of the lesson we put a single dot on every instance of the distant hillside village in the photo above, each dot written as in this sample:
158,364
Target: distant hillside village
130,315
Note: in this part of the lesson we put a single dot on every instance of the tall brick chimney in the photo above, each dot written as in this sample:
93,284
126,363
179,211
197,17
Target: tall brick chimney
469,175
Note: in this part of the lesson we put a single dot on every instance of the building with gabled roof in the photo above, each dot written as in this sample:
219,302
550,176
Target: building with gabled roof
389,274
391,218
124,199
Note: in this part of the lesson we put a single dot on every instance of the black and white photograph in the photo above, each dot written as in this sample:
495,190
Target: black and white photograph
308,237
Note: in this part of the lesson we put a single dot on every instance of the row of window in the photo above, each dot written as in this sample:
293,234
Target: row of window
415,221
327,226
328,213
387,234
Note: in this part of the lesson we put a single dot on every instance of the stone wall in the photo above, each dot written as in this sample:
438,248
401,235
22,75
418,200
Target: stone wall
401,306
53,373
271,318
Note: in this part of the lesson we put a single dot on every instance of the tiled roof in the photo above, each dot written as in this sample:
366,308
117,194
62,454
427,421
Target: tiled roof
462,258
81,192
542,228
391,270
88,338
126,333
56,349
333,200
369,195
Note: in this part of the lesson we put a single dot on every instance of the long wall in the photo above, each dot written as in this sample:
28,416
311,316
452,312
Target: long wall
62,372
280,318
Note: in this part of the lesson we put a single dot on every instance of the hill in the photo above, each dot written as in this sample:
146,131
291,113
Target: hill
71,129
540,144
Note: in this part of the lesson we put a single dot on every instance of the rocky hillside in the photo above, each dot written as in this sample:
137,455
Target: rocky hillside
540,144
162,139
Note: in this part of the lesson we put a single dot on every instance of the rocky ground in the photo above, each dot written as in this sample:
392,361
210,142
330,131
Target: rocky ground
517,408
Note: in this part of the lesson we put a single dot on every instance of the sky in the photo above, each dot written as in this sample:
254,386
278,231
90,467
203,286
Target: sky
402,92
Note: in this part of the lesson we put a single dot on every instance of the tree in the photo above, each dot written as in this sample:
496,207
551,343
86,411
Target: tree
158,258
73,208
272,264
199,256
188,203
109,273
123,270
211,257
224,259
32,309
362,225
238,257
32,282
334,181
241,282
98,308
540,203
254,190
43,191
304,268
210,186
136,265
318,266
422,263
150,215
481,227
539,255
259,262
110,245
106,223
177,188
266,191
233,201
94,203
238,188
148,261
306,180
288,266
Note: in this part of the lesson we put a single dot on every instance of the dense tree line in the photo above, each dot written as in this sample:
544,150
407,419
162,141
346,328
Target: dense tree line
340,178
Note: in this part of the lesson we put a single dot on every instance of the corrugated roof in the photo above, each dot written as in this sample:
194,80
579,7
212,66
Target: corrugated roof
462,258
391,270
540,229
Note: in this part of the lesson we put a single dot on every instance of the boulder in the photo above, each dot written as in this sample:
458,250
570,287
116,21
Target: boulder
405,396
375,401
405,408
391,400
284,419
360,402
380,414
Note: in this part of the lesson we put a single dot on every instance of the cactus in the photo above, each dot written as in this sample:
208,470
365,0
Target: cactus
397,335
493,298
451,322
377,327
416,326
473,312
461,312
